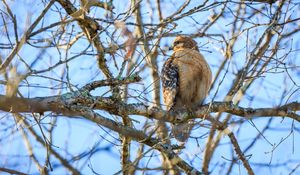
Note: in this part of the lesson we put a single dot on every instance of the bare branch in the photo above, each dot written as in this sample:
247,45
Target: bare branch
25,36
240,153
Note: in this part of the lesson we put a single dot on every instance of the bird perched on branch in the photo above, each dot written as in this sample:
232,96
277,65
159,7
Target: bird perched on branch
186,79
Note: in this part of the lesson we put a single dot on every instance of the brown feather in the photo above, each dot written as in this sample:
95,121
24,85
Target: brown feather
193,79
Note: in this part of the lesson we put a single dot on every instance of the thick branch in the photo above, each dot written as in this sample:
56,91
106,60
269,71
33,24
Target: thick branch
58,104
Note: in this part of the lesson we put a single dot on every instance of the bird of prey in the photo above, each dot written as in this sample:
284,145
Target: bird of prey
186,79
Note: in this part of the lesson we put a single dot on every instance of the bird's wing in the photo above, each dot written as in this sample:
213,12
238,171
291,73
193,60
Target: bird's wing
170,82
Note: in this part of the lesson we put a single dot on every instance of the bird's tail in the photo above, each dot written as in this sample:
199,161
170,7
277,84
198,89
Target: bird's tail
182,131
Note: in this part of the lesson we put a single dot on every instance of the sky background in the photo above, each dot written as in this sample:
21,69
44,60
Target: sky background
75,136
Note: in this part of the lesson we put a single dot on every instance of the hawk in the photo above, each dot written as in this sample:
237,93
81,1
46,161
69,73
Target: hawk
186,79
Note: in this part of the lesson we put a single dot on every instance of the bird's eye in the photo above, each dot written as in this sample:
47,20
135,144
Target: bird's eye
176,43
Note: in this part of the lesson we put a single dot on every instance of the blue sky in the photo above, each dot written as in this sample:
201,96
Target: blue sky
74,136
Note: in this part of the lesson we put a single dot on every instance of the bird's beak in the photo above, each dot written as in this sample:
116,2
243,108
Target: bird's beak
171,48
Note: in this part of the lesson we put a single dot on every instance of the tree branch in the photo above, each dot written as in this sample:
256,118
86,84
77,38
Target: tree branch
137,135
239,152
90,27
24,38
10,171
263,1
112,82
58,104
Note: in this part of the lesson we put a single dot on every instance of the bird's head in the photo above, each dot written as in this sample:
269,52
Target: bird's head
181,42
